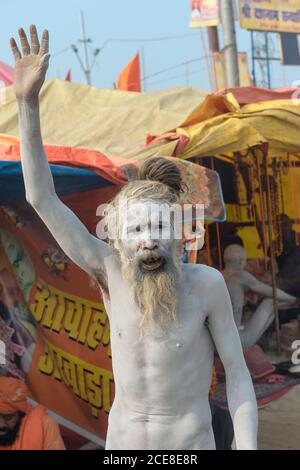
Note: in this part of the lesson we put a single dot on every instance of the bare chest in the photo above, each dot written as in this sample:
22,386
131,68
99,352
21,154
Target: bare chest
179,338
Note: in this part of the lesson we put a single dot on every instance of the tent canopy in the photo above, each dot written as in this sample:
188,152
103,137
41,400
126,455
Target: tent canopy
185,122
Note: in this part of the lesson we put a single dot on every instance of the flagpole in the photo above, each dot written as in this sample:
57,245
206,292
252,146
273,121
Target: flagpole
208,69
187,75
143,69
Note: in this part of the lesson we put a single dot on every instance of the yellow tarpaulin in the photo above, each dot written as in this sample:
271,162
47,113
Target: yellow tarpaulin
275,122
111,121
117,123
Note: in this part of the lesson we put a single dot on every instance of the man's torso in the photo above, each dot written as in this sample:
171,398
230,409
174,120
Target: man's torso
162,379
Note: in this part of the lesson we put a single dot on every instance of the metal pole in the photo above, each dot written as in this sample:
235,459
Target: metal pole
143,81
214,47
213,38
206,59
84,41
230,47
187,75
253,53
268,59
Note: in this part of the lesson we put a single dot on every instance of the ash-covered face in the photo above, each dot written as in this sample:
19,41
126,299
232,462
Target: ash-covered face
235,257
147,236
149,253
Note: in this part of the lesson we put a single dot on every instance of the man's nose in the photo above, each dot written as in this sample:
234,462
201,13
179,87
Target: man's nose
149,244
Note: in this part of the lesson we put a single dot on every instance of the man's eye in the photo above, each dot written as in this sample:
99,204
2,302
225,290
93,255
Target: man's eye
134,229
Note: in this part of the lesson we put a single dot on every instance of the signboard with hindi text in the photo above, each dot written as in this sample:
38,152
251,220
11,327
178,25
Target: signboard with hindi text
272,15
53,321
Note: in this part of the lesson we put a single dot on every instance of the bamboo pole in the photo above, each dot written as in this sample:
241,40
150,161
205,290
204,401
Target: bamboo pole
272,253
261,202
212,164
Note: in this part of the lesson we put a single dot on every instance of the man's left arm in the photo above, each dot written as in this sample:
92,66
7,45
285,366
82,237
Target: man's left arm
240,393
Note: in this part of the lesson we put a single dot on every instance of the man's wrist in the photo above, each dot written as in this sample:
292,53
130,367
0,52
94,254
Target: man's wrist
31,102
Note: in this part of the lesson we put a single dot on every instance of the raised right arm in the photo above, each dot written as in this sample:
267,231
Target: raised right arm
84,249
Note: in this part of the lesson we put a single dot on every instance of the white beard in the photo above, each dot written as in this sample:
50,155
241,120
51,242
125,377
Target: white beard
154,292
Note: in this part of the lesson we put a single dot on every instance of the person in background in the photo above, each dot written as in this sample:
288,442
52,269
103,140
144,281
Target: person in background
289,240
23,426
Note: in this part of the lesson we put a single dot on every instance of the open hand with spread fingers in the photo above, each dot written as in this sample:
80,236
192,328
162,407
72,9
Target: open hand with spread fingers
31,65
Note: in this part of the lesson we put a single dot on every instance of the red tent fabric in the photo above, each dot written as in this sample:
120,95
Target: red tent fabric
68,156
6,73
247,95
68,76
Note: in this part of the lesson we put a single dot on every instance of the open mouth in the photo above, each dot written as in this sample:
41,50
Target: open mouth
150,264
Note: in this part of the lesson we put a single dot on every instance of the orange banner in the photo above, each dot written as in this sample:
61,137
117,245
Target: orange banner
52,319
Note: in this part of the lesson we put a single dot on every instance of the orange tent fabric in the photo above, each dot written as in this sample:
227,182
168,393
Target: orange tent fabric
130,77
68,76
69,156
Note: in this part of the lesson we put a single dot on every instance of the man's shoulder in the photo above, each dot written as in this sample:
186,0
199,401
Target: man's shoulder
112,261
204,273
245,277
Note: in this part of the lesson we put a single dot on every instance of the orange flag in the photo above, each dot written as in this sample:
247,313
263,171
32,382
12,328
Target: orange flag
130,77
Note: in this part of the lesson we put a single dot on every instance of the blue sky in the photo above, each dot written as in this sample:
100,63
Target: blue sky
123,19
